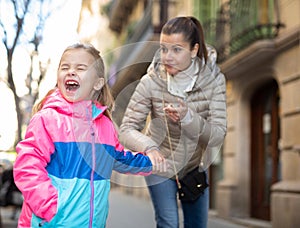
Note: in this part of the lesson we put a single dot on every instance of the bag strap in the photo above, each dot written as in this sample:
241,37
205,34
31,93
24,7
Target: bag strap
170,145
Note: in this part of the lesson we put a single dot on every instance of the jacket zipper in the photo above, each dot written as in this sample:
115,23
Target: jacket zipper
92,172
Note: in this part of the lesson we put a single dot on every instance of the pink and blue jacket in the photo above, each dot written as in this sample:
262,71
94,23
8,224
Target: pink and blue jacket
65,162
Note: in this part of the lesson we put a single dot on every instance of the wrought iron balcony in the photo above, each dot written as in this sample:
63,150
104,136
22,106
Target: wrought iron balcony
240,23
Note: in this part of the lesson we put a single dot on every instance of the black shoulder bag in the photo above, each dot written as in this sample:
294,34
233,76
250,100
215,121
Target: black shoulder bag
192,185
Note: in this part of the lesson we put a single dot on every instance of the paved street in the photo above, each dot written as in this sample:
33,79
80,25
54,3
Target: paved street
7,221
133,212
129,211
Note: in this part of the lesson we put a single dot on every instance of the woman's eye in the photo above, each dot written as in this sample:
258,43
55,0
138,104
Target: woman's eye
177,49
163,50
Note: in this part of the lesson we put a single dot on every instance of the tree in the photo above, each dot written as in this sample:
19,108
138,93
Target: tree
24,29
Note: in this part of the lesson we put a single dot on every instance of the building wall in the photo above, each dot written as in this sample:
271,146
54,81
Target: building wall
233,195
286,194
93,28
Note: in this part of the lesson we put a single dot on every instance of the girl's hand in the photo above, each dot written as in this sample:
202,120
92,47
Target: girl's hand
176,113
158,161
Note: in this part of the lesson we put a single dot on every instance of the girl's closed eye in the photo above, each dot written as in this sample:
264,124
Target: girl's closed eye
81,67
64,67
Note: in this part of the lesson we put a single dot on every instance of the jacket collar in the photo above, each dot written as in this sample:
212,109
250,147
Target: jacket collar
85,109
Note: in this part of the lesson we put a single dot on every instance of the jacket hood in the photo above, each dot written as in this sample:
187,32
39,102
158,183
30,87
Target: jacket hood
79,109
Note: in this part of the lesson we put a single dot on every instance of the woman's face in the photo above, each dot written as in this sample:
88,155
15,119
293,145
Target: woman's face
176,53
77,78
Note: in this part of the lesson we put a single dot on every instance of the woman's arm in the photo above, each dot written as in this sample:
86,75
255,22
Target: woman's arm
135,118
212,129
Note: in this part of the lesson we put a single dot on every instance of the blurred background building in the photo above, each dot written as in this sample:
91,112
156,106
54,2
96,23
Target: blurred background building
257,174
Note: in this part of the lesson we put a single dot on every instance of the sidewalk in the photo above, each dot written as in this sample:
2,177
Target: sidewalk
6,214
128,211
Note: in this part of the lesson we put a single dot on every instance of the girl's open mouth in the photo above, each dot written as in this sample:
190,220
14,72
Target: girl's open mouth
72,85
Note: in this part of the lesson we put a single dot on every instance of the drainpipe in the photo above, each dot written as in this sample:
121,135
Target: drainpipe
277,11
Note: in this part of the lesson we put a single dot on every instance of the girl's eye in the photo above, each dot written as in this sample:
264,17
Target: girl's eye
81,67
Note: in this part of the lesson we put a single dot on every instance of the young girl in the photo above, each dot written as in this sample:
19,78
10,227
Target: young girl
64,164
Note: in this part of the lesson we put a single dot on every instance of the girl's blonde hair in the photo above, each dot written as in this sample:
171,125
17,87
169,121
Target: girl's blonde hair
105,97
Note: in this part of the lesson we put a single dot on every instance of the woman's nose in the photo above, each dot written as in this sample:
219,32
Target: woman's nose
168,55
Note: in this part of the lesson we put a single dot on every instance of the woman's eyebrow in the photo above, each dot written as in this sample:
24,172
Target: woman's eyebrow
173,45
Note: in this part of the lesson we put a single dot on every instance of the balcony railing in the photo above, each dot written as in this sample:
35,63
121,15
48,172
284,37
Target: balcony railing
240,23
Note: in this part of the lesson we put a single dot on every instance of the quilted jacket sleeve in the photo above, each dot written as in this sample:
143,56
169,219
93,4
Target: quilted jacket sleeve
212,128
135,118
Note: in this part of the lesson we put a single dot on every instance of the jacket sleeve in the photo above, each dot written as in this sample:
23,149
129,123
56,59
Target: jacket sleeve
134,121
30,173
127,162
213,128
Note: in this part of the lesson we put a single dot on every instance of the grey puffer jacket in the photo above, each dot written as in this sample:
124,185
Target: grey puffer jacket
195,143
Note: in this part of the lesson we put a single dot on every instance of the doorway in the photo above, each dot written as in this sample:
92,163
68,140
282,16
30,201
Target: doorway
265,133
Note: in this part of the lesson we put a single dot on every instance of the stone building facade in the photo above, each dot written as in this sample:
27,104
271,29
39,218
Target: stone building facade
261,154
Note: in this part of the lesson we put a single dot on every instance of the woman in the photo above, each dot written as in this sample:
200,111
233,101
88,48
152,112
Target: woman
184,92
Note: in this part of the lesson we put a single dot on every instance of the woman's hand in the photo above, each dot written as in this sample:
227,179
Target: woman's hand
176,113
158,161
